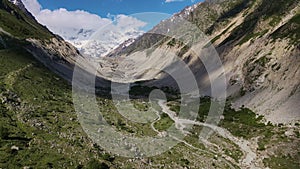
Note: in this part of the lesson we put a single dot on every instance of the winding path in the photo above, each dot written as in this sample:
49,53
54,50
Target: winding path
250,156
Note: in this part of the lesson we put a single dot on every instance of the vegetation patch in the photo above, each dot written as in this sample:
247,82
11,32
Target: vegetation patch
38,125
289,30
164,123
243,123
262,61
281,162
252,36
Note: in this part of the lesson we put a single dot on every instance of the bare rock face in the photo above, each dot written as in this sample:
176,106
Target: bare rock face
257,42
56,54
57,48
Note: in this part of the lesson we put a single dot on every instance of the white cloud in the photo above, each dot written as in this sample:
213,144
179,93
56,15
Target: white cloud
62,18
91,34
124,21
68,23
33,6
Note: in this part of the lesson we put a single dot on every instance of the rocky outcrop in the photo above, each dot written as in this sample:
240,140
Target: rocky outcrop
61,57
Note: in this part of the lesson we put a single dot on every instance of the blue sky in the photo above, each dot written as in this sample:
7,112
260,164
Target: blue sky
68,17
115,7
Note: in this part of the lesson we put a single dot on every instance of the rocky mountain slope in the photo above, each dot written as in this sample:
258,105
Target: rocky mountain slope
50,49
47,47
258,44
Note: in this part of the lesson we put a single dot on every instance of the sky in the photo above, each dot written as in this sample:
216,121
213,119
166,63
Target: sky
68,17
116,7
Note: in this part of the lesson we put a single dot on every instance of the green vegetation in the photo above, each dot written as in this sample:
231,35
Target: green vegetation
265,10
174,106
94,164
144,91
218,36
262,61
290,30
236,155
172,42
243,123
239,122
164,123
114,118
18,24
275,20
193,139
183,50
276,9
38,123
215,39
40,129
139,90
205,103
252,36
230,9
140,105
38,114
282,162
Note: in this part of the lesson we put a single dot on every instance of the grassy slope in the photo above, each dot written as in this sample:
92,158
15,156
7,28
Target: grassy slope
37,115
14,21
33,100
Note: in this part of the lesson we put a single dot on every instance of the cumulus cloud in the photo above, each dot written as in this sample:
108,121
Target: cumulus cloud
68,23
70,19
127,21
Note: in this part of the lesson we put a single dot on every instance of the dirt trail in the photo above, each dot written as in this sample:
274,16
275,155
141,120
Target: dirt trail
250,156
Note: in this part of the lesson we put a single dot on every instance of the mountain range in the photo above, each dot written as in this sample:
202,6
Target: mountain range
257,42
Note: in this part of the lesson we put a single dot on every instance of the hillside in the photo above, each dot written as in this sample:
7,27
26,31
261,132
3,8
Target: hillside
40,128
257,42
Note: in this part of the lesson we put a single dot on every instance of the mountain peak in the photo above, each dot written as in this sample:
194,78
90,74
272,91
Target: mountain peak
22,7
19,4
16,2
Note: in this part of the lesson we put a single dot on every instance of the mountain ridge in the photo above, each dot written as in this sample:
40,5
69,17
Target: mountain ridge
239,26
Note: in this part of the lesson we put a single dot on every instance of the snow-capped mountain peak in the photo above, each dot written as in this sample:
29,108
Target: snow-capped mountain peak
100,43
